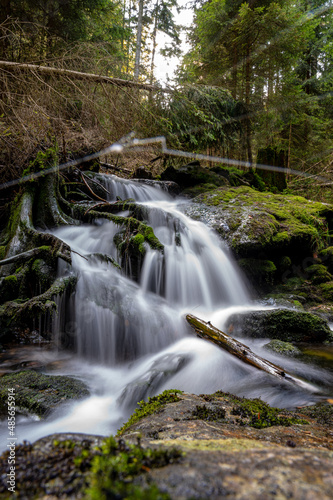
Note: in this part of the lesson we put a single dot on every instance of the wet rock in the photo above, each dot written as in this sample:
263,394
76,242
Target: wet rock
169,186
142,173
262,225
193,174
39,394
326,257
284,348
179,453
281,324
258,271
318,273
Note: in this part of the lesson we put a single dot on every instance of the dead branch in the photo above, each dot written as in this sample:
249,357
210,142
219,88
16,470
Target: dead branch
13,66
91,191
241,351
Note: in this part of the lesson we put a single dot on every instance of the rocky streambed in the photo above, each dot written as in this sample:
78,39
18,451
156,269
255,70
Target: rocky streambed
182,446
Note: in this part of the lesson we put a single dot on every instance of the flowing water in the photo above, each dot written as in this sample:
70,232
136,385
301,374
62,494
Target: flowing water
127,338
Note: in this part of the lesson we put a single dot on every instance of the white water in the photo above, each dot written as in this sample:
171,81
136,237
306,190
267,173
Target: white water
130,338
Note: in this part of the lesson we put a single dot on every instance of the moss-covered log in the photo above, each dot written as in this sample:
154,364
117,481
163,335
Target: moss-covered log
244,353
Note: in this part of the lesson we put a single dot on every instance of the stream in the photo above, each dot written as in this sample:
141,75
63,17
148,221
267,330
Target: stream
127,338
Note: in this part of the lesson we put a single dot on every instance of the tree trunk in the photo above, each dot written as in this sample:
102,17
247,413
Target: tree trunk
138,43
154,46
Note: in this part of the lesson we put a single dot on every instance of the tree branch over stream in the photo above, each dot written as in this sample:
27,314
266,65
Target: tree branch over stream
241,351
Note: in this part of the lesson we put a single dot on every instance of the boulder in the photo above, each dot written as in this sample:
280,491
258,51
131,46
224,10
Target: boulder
193,174
265,225
281,324
39,394
284,348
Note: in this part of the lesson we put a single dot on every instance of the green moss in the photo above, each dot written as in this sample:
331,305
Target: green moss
259,271
8,288
2,252
318,273
117,464
280,347
43,161
295,326
203,412
326,257
258,414
198,189
44,274
37,393
322,412
327,290
153,405
272,220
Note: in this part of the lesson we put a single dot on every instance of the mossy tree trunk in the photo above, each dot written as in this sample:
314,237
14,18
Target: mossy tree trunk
29,253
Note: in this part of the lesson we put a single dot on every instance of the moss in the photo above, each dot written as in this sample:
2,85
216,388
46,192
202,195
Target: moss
270,221
39,394
318,273
258,270
284,263
203,412
12,311
44,274
153,405
282,324
198,189
327,290
2,252
322,412
8,288
114,468
256,413
280,347
43,161
326,257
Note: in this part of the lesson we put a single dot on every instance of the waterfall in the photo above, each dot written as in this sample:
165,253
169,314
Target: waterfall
114,318
129,335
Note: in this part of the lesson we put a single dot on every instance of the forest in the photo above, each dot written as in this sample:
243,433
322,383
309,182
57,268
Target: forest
166,254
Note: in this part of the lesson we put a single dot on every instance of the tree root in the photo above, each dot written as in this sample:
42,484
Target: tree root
40,304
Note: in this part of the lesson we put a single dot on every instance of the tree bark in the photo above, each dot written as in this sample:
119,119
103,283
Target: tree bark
138,43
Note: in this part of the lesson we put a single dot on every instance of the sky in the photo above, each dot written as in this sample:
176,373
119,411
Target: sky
165,66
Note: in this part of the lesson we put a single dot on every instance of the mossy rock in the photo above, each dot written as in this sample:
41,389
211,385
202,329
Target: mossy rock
9,286
262,224
318,273
153,405
281,324
194,191
326,257
284,348
38,394
327,290
258,271
193,174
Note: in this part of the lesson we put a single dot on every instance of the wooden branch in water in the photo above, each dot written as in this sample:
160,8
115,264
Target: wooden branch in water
14,66
241,351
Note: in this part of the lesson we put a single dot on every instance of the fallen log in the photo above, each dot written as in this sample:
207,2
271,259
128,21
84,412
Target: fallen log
243,352
14,66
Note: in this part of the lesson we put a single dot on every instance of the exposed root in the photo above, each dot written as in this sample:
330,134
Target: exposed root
40,304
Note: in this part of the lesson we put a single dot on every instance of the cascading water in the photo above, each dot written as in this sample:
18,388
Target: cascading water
130,337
